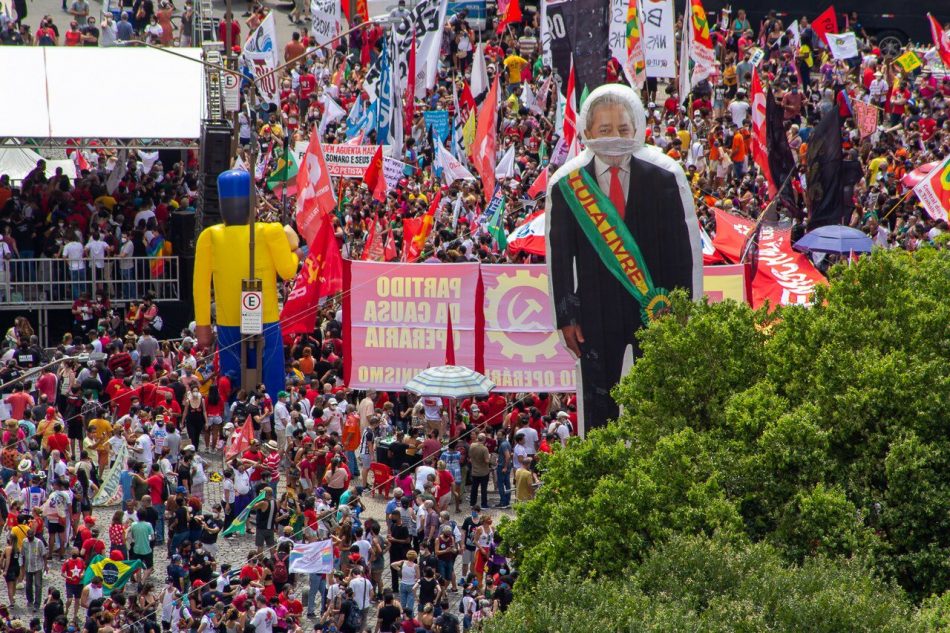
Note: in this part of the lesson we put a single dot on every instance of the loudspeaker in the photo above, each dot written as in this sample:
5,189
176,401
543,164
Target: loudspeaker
181,231
215,158
215,150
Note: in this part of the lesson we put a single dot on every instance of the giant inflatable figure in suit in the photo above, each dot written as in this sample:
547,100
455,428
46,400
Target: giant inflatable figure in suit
221,259
621,235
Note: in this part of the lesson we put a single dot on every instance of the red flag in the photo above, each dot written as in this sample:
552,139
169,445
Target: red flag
320,276
315,198
389,251
240,441
420,228
449,342
759,139
466,100
827,22
570,113
783,276
410,228
410,105
373,249
511,14
483,156
941,40
540,184
373,176
732,232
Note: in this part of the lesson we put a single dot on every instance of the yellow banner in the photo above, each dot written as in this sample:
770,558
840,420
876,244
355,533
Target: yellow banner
909,61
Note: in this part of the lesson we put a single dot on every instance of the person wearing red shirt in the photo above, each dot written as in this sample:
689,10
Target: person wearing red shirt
73,36
496,410
307,84
92,546
19,400
59,441
73,571
254,457
250,571
46,384
235,32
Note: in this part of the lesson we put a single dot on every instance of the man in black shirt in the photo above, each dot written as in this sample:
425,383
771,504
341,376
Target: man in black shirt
202,563
388,614
399,542
52,609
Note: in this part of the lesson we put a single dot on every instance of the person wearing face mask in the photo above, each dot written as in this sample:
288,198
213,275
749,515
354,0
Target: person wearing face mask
622,234
195,415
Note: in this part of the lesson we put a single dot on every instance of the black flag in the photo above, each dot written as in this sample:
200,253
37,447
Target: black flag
824,190
781,159
580,30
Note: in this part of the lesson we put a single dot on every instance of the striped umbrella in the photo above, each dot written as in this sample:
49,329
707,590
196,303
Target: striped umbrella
450,381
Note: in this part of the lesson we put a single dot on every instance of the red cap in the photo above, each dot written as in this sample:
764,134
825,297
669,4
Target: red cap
197,583
116,555
50,411
89,520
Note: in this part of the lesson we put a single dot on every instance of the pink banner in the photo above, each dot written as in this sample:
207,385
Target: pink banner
395,317
523,352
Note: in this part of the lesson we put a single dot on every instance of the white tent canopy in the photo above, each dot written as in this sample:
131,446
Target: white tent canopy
89,92
18,162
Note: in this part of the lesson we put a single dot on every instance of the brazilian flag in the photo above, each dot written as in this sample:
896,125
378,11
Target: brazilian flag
239,524
114,573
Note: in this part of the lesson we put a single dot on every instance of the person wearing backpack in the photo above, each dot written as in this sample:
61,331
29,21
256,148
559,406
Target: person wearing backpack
350,619
280,575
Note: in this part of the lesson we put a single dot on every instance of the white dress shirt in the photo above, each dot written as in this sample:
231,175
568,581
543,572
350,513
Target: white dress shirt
602,170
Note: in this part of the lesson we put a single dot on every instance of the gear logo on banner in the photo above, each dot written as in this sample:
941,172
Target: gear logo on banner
514,305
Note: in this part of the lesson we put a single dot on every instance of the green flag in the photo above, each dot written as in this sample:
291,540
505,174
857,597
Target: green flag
114,573
239,524
496,221
584,94
285,171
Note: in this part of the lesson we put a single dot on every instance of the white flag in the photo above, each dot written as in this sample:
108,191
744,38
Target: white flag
325,16
452,169
842,45
479,71
332,111
541,99
311,558
262,57
506,166
795,35
527,97
118,172
148,159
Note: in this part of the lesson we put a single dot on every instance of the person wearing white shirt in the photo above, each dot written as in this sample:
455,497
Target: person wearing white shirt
73,252
144,450
739,109
281,418
97,250
422,476
520,452
265,618
362,590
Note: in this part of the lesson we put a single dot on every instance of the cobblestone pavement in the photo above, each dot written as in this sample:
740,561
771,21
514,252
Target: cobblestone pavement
234,551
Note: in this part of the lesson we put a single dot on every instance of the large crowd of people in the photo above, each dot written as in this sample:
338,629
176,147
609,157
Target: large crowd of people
118,383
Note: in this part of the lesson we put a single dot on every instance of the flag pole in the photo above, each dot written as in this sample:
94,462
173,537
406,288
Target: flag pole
758,223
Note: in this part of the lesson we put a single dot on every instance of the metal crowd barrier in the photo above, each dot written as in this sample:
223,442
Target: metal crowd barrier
59,282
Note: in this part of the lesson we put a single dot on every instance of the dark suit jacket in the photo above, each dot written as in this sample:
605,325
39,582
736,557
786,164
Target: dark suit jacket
656,216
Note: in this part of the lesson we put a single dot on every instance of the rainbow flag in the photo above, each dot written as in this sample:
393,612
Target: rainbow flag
155,251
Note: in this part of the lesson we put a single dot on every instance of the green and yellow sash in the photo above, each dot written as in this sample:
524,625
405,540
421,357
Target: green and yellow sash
613,242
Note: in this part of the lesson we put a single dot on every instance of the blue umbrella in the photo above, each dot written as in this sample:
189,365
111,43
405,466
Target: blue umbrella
834,239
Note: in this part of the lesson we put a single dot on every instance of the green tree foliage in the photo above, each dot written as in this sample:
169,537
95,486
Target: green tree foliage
694,584
820,431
